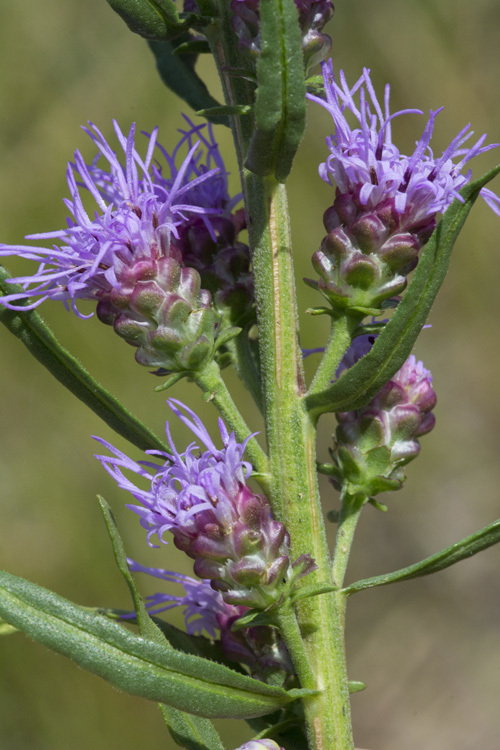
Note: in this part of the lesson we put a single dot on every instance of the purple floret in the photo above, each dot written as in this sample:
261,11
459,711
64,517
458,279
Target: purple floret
365,164
203,608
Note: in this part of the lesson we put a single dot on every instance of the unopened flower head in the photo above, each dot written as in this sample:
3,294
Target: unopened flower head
203,500
260,648
313,15
374,443
386,202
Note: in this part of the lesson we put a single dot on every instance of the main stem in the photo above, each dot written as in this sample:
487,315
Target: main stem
291,435
294,492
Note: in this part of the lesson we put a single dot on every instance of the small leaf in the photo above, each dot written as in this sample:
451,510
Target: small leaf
356,687
37,337
172,380
307,591
132,663
467,547
236,109
177,72
361,382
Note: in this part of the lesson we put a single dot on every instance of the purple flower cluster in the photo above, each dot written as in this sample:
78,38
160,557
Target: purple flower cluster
373,443
260,648
133,254
313,15
203,500
385,202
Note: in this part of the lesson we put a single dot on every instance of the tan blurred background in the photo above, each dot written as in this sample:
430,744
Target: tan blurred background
429,650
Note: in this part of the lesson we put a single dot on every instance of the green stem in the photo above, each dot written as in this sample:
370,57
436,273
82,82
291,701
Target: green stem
211,383
291,439
285,620
348,520
244,363
341,332
291,436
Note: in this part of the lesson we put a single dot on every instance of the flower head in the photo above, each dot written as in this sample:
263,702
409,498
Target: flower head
374,443
386,202
133,253
137,217
202,499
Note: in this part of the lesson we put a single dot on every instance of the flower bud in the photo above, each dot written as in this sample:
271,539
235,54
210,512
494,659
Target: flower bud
373,443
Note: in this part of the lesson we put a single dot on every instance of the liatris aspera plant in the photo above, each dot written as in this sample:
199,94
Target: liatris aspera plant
197,279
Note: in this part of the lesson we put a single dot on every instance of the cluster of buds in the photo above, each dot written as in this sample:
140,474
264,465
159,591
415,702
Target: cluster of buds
260,648
313,15
385,203
374,443
203,500
149,256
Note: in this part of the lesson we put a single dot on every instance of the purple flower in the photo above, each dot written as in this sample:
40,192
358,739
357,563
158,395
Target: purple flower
386,202
133,254
204,609
365,164
139,212
203,500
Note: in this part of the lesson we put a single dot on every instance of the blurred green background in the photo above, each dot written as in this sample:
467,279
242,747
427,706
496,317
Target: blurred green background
428,650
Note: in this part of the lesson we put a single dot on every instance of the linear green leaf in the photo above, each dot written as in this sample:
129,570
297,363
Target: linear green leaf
190,732
132,663
37,337
467,547
392,347
178,74
280,106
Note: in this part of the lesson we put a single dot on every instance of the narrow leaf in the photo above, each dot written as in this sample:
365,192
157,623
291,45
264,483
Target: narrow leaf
392,347
178,74
132,663
280,107
179,639
146,626
469,546
190,732
40,341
